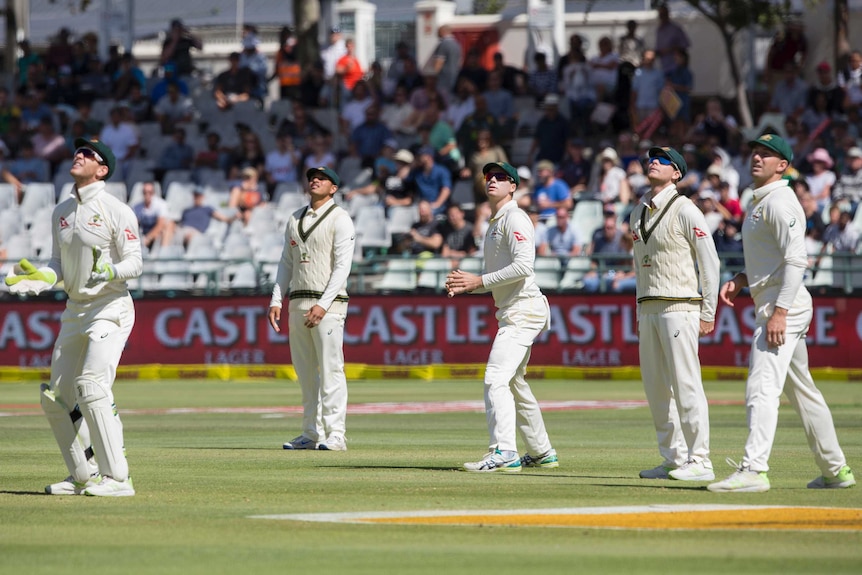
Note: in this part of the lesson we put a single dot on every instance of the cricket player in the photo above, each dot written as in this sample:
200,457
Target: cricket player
96,249
522,314
673,249
312,273
773,235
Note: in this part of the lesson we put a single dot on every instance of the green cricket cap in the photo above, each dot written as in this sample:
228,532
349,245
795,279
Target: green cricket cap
774,143
100,148
506,167
325,172
670,154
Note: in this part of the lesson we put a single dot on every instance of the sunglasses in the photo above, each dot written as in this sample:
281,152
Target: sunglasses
90,154
499,176
663,161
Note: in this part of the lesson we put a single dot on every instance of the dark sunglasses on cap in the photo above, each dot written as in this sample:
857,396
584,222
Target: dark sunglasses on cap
499,176
663,161
90,154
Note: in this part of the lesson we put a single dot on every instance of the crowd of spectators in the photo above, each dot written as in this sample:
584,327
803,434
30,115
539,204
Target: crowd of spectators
418,133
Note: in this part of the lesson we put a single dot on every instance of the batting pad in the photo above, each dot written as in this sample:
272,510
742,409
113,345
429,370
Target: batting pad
106,431
71,434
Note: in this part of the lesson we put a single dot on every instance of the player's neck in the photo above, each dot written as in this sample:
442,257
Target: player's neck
497,205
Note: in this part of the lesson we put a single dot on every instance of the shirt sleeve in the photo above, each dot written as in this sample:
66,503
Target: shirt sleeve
345,239
788,224
285,269
127,240
518,232
697,233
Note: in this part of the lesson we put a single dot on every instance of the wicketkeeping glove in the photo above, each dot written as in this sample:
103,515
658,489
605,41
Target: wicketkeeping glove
25,278
102,271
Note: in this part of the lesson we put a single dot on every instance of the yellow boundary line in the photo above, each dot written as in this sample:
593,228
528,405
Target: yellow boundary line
227,372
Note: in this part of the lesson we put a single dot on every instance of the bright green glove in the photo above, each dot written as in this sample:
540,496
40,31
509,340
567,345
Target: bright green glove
102,271
25,278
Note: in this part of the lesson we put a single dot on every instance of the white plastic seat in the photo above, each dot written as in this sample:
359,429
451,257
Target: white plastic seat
823,276
360,201
576,268
37,195
10,223
242,276
371,230
433,272
118,190
402,218
179,196
473,265
8,198
400,275
547,272
587,217
462,194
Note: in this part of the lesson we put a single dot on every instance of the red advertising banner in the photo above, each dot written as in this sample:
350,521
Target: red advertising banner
421,330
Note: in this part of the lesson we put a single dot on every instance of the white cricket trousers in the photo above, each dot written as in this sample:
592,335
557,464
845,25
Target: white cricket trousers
508,397
83,367
785,368
670,369
317,354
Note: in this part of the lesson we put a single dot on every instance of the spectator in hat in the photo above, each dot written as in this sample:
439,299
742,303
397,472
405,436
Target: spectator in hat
433,182
396,190
333,52
246,196
253,60
196,219
550,193
551,134
177,47
235,84
524,194
826,84
613,185
821,178
848,189
542,80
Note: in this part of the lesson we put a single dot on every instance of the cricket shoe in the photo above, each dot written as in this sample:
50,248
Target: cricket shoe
110,487
844,479
743,480
658,472
301,442
334,443
495,461
693,471
547,460
71,487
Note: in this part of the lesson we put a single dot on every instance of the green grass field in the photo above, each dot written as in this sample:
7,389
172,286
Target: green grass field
201,476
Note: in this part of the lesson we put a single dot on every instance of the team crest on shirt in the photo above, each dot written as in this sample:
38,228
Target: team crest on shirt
130,235
63,223
646,262
792,223
635,236
699,233
519,236
95,221
757,214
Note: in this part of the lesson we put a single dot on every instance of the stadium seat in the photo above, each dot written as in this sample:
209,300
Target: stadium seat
547,271
822,276
471,264
10,223
360,201
587,217
241,276
371,230
118,190
283,188
576,269
37,195
179,196
8,198
402,218
400,275
433,272
462,194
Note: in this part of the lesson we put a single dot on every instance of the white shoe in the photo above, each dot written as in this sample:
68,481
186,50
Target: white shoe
71,487
693,471
743,480
657,472
110,487
301,442
334,443
495,461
